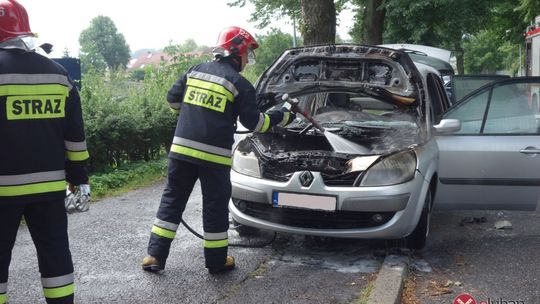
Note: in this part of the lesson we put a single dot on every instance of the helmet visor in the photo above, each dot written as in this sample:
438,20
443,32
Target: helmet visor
251,56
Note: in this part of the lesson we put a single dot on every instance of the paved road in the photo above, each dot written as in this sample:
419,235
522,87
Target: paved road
109,242
494,266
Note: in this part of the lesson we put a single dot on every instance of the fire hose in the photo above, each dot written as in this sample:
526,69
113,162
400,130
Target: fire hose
256,245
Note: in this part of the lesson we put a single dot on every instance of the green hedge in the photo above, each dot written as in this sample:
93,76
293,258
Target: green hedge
128,120
118,180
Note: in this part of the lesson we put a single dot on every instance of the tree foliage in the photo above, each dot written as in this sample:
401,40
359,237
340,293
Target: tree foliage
438,23
102,44
189,45
497,46
356,30
270,47
177,51
317,18
529,9
92,62
507,22
268,10
435,22
482,55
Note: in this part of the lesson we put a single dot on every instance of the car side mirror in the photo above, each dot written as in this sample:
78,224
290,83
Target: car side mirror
447,126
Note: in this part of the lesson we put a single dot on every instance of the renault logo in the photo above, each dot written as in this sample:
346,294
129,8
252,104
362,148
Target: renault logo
306,178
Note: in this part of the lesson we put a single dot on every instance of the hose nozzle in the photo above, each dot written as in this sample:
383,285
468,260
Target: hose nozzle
296,109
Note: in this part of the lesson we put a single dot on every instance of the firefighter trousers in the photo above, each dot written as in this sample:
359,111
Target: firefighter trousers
216,192
47,223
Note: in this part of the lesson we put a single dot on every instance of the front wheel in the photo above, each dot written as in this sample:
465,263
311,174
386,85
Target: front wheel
418,238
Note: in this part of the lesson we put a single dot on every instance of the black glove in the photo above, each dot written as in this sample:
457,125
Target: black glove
288,117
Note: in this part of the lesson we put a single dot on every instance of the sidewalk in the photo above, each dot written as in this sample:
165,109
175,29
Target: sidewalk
466,254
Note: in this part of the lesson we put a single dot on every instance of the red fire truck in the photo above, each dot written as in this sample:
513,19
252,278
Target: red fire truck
532,48
532,61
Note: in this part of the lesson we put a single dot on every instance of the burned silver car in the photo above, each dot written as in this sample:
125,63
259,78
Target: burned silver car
366,169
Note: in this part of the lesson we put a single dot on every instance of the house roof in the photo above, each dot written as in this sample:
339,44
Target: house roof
150,58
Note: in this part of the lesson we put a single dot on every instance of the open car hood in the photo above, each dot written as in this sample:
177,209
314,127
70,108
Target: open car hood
377,71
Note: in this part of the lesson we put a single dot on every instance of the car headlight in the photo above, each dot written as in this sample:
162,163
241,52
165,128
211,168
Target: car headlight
394,169
246,163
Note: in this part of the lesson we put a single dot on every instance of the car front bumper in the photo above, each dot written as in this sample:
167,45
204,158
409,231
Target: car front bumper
398,205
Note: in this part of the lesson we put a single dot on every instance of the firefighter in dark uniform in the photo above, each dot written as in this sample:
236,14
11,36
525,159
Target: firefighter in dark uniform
42,146
209,98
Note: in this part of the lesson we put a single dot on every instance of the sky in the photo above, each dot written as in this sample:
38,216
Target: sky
146,24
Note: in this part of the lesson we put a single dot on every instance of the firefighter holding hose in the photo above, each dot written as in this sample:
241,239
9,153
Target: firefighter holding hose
209,98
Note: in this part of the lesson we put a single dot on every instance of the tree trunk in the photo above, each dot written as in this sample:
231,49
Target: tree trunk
460,64
318,21
373,22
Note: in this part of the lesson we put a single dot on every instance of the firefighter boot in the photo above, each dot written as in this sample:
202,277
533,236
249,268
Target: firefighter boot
152,264
229,265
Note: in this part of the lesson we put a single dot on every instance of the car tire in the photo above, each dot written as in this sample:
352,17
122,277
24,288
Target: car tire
244,230
418,238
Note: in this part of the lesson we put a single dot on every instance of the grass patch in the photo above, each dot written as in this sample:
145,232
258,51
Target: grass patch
261,269
408,295
128,177
364,295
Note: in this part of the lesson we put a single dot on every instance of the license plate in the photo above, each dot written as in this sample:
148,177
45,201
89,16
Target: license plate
304,201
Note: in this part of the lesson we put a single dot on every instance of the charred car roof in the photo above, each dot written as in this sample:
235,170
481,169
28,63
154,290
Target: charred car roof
386,73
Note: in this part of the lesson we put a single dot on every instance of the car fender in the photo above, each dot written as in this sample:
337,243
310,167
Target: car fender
427,167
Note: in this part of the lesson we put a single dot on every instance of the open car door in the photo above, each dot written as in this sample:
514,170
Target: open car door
493,162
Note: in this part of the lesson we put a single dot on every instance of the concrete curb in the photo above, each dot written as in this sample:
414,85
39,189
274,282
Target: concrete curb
390,280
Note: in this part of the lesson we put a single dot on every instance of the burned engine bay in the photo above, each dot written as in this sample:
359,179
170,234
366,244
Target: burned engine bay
299,146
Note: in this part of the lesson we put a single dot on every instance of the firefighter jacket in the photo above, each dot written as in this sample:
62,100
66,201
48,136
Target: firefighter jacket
41,129
210,98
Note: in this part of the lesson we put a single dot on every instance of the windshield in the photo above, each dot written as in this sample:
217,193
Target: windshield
363,119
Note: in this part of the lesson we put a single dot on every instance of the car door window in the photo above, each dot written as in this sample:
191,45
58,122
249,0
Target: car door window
509,111
438,99
471,113
461,85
